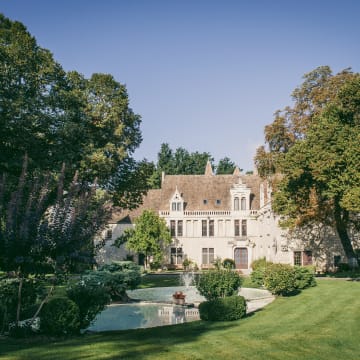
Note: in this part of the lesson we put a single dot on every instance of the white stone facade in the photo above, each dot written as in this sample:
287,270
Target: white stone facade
220,216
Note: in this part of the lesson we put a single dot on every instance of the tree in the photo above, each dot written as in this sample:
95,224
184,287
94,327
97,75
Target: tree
225,166
178,162
150,237
43,110
320,169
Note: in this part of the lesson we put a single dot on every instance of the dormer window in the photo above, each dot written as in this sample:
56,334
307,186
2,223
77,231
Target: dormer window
236,204
176,206
243,203
176,202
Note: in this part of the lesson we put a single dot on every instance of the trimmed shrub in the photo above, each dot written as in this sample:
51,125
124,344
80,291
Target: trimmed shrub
228,264
214,284
304,277
60,316
223,309
280,279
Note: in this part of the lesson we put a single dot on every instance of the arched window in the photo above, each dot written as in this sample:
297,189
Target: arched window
236,204
243,203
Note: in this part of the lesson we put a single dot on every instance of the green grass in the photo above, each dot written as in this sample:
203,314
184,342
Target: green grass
159,280
321,323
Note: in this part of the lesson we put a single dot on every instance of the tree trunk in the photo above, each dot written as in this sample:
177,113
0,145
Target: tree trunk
19,302
341,223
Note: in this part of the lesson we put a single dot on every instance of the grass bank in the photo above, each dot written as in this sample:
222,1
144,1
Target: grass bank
320,323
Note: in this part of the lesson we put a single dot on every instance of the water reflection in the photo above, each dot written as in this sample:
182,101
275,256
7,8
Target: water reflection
143,315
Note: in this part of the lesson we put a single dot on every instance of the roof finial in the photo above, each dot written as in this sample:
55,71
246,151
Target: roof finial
237,171
208,169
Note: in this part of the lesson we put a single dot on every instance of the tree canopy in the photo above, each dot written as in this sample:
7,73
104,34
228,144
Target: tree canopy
315,148
182,162
57,117
150,237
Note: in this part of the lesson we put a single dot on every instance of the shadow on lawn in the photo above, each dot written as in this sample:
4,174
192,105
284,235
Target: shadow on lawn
128,344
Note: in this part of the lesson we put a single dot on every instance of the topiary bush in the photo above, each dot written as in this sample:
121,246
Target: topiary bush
280,279
223,309
304,277
218,283
60,316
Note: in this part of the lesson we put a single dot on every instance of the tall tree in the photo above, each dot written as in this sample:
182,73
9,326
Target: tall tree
317,152
150,237
57,117
178,162
225,166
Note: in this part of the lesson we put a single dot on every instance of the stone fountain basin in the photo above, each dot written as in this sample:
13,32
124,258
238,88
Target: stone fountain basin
165,294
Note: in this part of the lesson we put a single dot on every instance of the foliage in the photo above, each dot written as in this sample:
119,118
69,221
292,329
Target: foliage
38,237
258,271
280,279
225,166
117,277
304,277
150,237
223,309
214,284
90,298
44,109
315,146
228,263
60,316
31,289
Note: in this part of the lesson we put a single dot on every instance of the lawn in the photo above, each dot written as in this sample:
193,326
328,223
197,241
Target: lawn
321,323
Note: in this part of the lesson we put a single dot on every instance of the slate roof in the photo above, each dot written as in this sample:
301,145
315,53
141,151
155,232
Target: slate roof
194,189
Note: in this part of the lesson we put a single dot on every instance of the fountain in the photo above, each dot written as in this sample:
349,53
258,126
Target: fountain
187,278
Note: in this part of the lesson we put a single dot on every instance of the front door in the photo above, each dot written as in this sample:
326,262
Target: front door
241,258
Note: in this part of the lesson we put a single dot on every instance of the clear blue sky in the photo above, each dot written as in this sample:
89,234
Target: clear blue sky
205,75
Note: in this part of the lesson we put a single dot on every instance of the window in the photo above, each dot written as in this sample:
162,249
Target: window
180,228
243,203
207,256
205,201
297,258
302,258
218,202
172,228
176,256
211,227
176,206
243,228
204,227
236,204
108,235
236,227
